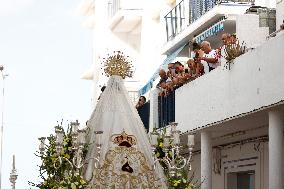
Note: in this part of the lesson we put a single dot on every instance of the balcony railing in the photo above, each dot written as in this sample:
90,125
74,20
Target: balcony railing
188,11
166,109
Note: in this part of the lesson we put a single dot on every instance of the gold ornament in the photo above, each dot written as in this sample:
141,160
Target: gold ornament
118,64
124,139
137,174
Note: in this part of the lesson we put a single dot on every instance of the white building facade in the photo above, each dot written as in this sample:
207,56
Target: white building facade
131,26
236,114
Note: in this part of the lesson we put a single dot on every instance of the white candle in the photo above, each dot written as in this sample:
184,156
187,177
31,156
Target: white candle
75,127
98,137
59,137
173,126
154,139
167,141
190,141
42,143
176,138
81,136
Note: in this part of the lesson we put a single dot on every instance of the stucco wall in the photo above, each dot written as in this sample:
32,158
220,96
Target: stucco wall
256,79
253,35
279,13
231,163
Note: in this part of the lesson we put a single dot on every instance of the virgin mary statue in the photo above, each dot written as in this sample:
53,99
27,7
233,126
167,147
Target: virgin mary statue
123,159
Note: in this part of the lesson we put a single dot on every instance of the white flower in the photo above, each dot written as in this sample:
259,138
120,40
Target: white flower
73,186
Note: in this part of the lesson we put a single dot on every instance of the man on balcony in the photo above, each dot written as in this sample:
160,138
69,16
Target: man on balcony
211,56
163,77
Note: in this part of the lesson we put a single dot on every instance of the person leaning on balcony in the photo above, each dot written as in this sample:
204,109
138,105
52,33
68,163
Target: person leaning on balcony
199,69
198,53
211,56
143,110
163,77
180,73
226,39
163,88
169,87
171,70
141,102
192,67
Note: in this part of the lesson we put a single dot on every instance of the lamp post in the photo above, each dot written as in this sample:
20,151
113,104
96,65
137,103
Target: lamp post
13,174
171,146
2,121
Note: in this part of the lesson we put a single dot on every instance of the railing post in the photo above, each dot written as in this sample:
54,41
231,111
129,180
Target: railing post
154,108
167,27
180,18
172,23
189,12
176,21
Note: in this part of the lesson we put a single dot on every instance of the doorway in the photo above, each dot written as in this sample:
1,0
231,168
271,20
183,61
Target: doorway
241,180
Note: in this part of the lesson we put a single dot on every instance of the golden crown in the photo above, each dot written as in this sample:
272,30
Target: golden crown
124,139
118,64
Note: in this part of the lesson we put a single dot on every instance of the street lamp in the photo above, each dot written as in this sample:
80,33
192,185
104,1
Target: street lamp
174,160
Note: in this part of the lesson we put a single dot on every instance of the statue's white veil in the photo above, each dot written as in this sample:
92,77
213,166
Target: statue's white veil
113,114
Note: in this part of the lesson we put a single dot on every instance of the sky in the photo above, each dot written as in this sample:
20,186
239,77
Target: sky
45,50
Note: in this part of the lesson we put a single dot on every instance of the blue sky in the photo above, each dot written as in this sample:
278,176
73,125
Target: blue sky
45,50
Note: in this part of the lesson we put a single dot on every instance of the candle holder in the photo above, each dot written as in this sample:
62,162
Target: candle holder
42,144
173,160
77,142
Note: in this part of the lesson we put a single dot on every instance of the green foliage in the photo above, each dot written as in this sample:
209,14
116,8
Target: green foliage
56,175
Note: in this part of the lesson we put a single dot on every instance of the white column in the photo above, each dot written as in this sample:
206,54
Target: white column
154,117
206,160
276,169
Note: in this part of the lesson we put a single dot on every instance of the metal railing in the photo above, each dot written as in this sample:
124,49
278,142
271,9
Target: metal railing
273,34
113,7
188,11
166,109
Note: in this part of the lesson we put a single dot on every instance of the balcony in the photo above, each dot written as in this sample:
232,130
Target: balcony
254,83
124,15
191,17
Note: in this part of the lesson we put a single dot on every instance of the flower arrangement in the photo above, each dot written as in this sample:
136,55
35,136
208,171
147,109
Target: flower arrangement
60,173
179,180
234,50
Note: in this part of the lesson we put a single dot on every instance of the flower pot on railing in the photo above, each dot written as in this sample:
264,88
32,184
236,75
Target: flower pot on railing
233,51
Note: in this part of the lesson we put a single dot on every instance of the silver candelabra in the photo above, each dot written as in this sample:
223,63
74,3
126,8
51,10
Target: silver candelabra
78,141
171,146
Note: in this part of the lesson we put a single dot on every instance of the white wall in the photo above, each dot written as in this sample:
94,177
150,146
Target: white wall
151,41
279,13
256,79
133,4
230,164
142,43
266,3
253,35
